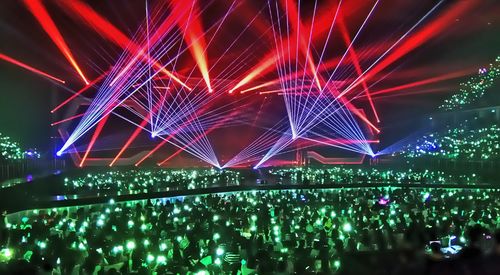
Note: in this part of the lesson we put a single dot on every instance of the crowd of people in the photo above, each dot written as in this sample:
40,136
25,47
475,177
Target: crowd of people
10,149
154,180
434,231
472,90
135,181
341,175
461,143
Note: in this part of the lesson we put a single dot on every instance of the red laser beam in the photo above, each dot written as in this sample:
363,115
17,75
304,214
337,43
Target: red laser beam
320,26
82,90
38,10
138,130
294,18
354,110
96,134
29,68
269,83
420,92
357,66
264,66
67,119
154,150
130,140
375,50
421,82
110,32
193,34
414,41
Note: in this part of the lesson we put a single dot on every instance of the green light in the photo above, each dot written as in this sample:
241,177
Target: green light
150,258
130,224
146,242
474,88
218,261
163,247
216,236
130,245
42,245
347,227
219,251
336,264
6,253
117,249
161,259
216,218
254,218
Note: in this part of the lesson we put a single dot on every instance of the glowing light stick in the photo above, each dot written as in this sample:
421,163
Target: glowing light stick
130,245
347,227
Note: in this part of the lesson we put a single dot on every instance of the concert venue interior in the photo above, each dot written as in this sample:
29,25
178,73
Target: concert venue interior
249,137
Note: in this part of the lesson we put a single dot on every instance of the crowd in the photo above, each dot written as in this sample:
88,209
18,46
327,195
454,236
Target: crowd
474,88
341,175
9,149
135,181
141,181
434,231
458,144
